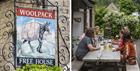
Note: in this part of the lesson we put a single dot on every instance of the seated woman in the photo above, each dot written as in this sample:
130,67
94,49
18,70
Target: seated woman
120,41
128,52
97,33
97,30
85,45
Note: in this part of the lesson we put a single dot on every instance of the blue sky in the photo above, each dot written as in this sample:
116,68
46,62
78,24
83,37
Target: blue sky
22,20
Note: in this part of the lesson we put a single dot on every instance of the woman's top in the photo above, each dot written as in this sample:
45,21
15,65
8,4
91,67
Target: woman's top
83,49
121,43
129,52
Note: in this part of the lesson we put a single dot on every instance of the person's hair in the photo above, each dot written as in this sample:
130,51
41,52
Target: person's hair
127,37
89,32
125,29
97,27
121,32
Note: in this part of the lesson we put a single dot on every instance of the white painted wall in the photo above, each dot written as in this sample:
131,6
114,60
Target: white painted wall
88,18
78,27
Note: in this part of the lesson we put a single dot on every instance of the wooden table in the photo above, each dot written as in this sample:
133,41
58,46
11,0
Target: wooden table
105,55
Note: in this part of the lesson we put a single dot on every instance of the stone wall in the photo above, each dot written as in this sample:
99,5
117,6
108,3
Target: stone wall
6,46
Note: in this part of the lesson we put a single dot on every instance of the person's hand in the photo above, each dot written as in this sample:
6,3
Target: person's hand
97,49
94,49
114,49
115,42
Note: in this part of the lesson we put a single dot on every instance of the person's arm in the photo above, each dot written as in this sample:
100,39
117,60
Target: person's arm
90,45
91,48
117,49
115,41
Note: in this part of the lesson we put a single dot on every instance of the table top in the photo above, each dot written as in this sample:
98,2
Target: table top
104,55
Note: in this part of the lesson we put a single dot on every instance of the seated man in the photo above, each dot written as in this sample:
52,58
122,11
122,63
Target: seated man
85,45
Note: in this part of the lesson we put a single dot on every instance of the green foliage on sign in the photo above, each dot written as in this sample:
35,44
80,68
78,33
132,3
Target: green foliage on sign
37,67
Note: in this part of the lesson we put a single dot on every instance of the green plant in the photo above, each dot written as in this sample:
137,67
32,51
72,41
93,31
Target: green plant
137,5
118,20
100,13
38,67
127,6
105,2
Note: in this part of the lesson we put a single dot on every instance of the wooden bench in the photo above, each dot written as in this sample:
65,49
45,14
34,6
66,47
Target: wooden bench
132,67
76,65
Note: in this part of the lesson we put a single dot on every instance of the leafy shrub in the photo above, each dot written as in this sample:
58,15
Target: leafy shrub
118,20
100,13
37,67
127,6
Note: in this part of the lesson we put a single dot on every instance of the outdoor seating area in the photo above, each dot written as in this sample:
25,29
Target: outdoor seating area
105,53
103,60
105,36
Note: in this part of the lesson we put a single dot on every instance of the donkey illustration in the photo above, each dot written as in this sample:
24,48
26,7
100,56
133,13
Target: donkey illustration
35,31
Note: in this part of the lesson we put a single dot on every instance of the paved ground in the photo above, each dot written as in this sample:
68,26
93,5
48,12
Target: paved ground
138,51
